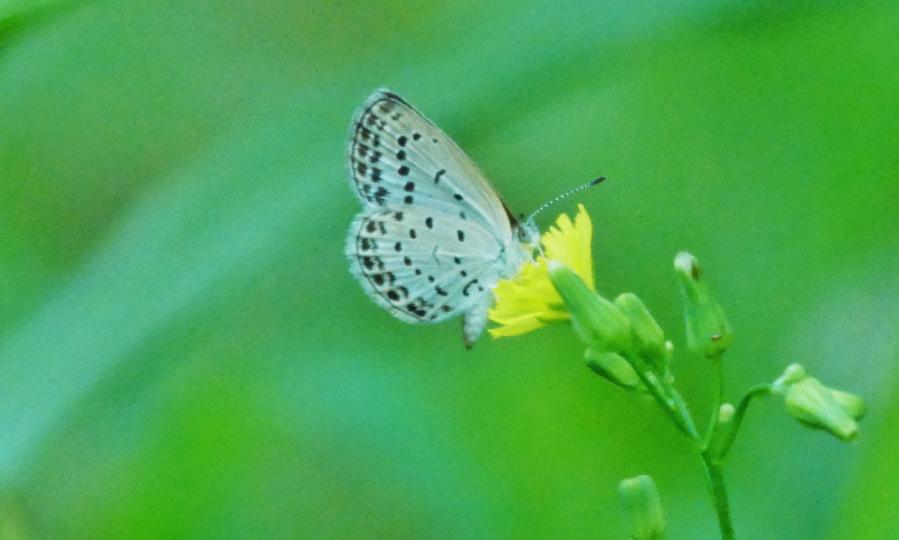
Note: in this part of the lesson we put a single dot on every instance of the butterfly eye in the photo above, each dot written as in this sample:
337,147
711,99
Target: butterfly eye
528,233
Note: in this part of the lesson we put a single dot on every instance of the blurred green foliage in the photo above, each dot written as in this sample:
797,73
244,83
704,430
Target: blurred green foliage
183,352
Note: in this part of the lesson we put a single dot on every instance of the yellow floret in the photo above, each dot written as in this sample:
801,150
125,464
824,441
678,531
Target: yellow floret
528,300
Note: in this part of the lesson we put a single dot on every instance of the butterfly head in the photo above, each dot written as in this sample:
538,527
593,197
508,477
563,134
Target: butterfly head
528,233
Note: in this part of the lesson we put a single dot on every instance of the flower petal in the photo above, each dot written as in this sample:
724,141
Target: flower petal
529,300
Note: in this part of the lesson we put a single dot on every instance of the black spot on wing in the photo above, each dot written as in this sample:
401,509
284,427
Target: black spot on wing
382,282
366,121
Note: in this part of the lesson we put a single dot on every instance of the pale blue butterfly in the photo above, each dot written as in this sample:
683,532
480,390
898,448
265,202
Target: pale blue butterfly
433,237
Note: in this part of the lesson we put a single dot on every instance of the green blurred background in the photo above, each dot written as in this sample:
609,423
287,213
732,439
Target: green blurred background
183,352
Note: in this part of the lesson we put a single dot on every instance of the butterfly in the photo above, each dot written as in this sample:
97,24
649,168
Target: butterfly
433,237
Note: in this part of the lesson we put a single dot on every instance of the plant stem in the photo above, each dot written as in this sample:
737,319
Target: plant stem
716,402
673,408
684,413
669,399
728,440
710,458
719,496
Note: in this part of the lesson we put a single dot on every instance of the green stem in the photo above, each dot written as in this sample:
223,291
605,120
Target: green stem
674,408
673,405
710,458
684,413
716,402
719,496
728,440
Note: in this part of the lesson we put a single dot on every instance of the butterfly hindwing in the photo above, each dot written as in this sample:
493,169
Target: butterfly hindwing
398,158
422,264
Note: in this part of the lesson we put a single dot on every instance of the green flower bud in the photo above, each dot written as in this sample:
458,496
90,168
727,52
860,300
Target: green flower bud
818,406
794,373
641,500
813,404
852,404
708,331
613,367
648,336
599,323
726,413
721,431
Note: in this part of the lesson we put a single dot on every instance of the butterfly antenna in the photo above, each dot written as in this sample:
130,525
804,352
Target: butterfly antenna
565,195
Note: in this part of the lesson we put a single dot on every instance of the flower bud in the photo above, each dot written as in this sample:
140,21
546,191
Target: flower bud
708,331
599,323
613,367
852,404
726,413
641,500
792,374
722,430
818,406
648,336
812,403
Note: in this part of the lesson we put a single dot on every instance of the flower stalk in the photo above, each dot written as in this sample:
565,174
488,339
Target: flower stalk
626,346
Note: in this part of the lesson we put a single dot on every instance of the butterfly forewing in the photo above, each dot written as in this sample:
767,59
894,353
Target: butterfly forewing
399,158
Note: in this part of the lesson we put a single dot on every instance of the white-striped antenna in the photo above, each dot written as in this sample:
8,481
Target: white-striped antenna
563,196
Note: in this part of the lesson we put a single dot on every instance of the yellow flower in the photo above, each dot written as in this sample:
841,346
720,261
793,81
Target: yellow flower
528,301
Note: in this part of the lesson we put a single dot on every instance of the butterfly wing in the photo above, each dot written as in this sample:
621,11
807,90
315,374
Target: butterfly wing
398,158
434,236
421,264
